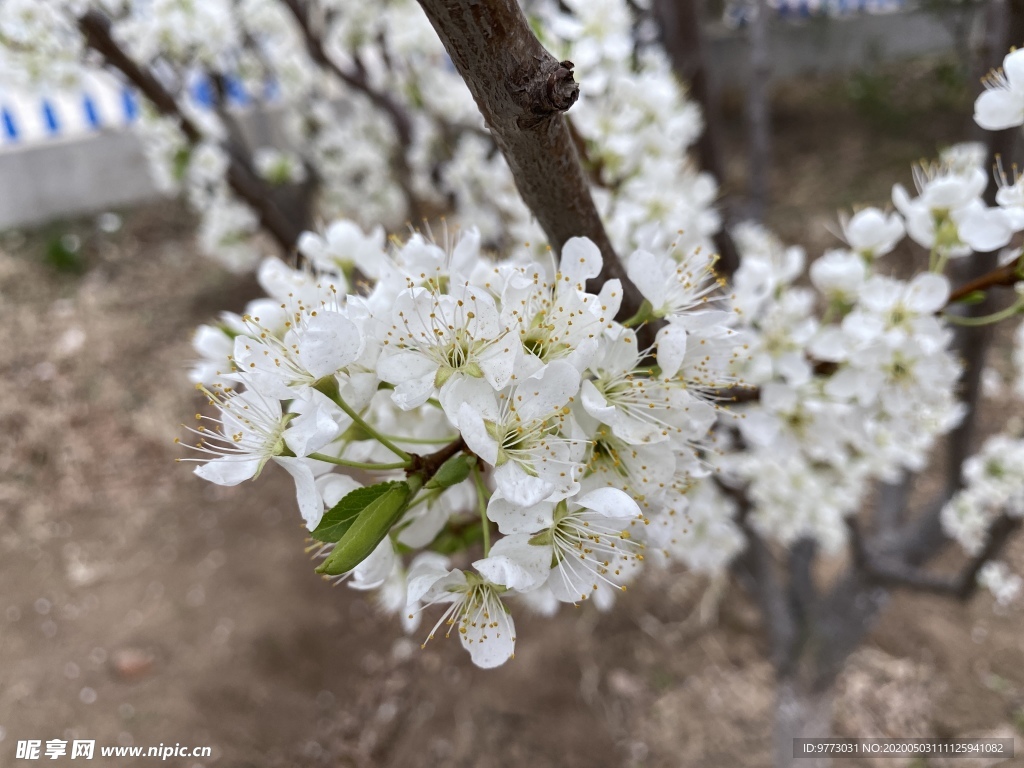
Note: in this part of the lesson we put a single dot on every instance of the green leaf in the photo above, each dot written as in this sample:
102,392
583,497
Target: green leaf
452,472
340,517
376,514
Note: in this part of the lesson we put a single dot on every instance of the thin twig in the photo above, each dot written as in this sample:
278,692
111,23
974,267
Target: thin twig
385,102
892,572
1006,275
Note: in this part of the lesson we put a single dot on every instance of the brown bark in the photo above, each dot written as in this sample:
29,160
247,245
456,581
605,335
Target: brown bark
522,91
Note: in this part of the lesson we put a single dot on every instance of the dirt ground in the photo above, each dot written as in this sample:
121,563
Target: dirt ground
141,606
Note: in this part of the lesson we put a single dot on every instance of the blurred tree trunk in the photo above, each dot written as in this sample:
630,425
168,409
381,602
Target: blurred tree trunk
683,38
759,129
800,712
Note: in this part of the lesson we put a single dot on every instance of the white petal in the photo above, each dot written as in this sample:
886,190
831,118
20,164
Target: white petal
997,109
516,563
610,502
583,355
595,403
610,299
515,518
671,349
927,293
329,342
581,260
474,432
547,390
228,470
426,571
490,639
314,427
572,581
310,504
517,486
1013,66
758,427
375,569
498,362
212,343
334,487
985,229
414,392
649,276
469,391
403,365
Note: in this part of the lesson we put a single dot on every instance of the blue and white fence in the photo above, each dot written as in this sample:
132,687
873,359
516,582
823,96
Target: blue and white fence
738,12
28,117
101,102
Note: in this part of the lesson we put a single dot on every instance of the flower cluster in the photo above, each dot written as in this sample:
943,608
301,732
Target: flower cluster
856,373
993,486
482,395
487,394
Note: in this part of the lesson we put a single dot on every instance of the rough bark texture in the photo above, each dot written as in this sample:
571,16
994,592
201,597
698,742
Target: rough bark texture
522,91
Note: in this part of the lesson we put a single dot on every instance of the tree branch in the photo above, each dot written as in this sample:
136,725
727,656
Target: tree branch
1006,275
891,504
522,91
892,572
358,81
95,28
429,464
756,569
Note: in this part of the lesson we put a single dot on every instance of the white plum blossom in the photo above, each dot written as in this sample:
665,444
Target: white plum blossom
872,233
518,433
252,430
1004,584
949,215
574,546
437,340
1001,104
475,611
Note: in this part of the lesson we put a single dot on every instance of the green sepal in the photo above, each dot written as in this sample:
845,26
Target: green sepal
372,523
328,386
545,538
444,373
452,472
